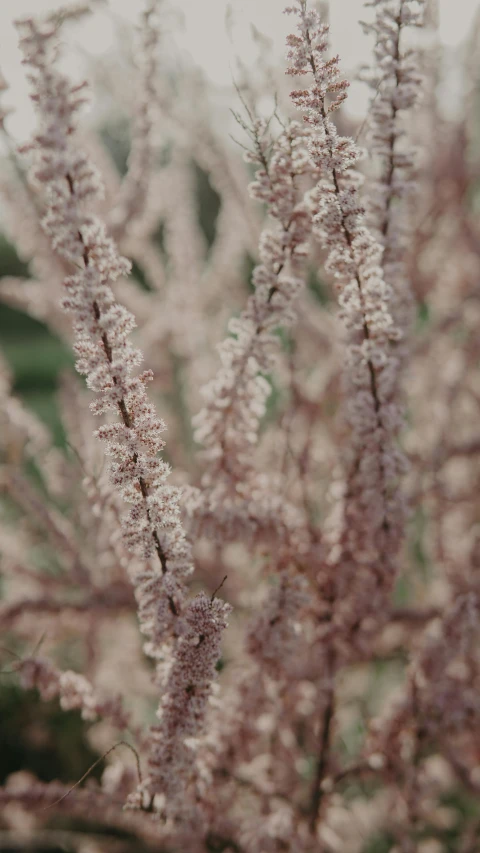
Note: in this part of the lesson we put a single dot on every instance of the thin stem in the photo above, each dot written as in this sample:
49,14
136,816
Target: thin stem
92,767
324,752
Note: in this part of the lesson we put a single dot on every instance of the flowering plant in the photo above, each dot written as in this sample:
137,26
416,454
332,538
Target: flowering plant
303,569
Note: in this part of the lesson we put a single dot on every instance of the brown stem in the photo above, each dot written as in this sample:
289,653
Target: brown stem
323,755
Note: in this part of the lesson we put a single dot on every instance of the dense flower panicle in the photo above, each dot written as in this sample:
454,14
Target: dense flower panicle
370,524
236,398
396,80
185,698
104,353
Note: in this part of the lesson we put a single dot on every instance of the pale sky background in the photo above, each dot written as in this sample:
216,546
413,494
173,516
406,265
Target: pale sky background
204,36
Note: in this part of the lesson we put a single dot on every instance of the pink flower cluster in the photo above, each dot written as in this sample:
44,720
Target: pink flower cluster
184,703
395,79
108,359
368,532
236,398
102,326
